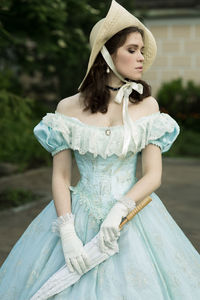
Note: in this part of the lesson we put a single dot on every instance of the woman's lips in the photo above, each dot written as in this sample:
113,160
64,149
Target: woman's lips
139,69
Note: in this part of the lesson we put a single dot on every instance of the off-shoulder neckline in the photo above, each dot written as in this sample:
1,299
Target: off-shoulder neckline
104,127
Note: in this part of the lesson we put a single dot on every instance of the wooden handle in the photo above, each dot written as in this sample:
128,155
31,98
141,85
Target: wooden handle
140,206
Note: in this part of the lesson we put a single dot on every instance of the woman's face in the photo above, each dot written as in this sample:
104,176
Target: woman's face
128,58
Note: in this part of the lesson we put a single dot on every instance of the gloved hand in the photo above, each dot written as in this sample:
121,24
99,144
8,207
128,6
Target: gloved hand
109,230
74,253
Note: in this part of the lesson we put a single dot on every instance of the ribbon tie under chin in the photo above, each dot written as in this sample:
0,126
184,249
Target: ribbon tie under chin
123,95
127,89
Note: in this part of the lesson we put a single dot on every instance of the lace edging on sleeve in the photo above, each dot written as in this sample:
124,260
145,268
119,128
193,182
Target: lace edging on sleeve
162,132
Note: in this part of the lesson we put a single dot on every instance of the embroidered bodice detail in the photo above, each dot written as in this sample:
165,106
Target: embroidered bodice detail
100,184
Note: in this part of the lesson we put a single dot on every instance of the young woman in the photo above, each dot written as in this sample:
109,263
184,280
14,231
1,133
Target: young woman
111,120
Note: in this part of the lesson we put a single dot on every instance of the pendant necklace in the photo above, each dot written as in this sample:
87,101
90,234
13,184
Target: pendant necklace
108,131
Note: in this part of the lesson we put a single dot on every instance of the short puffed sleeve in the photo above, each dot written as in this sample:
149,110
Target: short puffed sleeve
163,131
51,138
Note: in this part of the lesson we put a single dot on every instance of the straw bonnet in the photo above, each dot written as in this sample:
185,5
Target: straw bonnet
117,19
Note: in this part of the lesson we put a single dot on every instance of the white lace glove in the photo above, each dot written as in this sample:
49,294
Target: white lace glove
109,230
74,253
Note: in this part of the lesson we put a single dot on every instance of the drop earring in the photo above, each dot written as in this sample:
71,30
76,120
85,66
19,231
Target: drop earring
108,70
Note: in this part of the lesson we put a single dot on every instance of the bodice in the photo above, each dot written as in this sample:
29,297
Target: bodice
105,172
102,181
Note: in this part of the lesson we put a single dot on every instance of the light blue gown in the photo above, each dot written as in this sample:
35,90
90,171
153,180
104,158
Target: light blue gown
155,261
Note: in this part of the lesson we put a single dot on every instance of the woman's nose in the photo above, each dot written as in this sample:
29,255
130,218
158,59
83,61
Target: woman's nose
140,56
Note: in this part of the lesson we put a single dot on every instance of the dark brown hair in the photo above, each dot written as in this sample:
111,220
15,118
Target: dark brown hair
94,91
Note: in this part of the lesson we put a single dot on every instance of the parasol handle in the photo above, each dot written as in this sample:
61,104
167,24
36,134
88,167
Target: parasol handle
140,206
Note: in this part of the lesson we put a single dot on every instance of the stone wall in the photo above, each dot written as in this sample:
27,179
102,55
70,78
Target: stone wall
178,55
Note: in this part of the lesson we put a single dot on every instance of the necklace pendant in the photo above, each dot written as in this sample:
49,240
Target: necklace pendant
108,132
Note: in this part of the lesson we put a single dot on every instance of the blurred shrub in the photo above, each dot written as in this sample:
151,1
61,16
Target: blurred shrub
18,144
47,42
187,144
13,198
9,81
182,102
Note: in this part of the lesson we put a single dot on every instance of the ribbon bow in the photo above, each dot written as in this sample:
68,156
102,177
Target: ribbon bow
127,89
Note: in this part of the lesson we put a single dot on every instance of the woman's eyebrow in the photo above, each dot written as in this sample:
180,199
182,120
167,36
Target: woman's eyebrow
134,45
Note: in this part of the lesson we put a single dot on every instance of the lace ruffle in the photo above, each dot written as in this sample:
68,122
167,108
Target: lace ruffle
158,128
67,218
128,202
162,132
56,122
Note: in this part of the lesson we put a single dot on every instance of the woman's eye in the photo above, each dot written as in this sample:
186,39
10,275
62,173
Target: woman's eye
132,51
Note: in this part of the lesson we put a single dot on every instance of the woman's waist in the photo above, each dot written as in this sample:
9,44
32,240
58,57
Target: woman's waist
104,186
100,197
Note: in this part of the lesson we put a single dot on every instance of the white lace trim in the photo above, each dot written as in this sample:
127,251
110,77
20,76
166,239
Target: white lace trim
67,218
78,135
128,202
92,206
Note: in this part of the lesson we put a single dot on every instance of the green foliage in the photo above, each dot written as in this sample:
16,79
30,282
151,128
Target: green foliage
9,82
182,102
13,198
49,38
18,144
187,144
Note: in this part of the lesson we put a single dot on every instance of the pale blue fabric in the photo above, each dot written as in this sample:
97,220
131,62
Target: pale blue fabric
51,139
156,260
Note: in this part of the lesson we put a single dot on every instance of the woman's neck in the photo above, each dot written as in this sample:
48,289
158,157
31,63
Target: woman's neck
114,81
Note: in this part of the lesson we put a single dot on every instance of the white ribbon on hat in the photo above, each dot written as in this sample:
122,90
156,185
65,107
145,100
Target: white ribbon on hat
123,95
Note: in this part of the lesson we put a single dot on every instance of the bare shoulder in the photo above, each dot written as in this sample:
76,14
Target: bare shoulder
68,105
147,106
150,105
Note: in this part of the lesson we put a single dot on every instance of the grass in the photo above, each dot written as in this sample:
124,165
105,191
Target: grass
16,197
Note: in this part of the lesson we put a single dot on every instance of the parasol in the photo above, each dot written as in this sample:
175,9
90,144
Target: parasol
63,278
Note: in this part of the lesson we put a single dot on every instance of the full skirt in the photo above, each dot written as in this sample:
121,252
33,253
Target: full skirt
155,260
